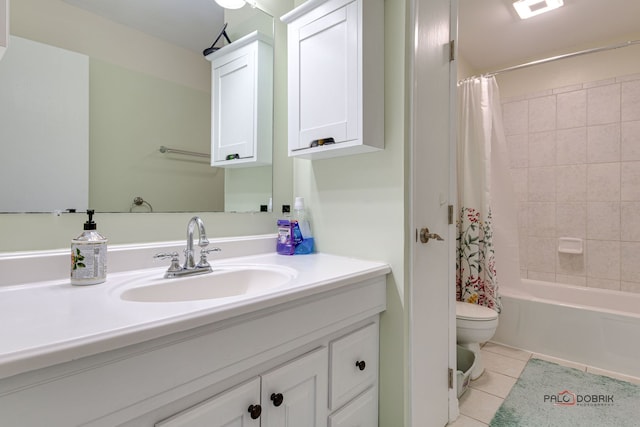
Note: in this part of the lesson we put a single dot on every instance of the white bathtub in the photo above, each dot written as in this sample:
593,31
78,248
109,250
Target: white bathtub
596,327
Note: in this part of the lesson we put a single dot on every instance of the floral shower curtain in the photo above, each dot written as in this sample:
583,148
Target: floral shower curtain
480,130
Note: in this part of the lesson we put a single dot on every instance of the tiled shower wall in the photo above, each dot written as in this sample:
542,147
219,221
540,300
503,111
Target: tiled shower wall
575,163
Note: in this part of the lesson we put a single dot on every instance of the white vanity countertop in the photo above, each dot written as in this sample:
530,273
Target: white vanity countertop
46,323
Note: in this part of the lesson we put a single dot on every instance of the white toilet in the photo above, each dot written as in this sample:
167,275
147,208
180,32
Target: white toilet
475,324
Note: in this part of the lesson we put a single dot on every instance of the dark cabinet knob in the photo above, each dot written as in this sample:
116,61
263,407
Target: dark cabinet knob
277,399
361,365
255,411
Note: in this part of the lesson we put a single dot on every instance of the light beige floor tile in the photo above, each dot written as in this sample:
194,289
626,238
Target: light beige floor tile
507,351
494,383
611,374
561,362
502,364
479,405
464,421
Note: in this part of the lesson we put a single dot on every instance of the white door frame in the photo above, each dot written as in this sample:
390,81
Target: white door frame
431,321
453,194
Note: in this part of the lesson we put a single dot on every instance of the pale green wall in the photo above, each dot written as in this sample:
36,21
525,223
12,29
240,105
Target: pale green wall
358,209
46,231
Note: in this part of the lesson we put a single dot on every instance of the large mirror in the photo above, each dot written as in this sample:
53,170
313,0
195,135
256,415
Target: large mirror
110,108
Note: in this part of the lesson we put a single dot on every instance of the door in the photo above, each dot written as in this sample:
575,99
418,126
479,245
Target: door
295,394
238,407
233,103
324,85
431,322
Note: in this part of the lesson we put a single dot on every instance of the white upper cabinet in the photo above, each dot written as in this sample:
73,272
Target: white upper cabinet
336,77
242,102
4,26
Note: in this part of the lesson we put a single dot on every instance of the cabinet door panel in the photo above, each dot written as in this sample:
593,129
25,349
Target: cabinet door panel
335,69
328,58
303,386
234,109
228,409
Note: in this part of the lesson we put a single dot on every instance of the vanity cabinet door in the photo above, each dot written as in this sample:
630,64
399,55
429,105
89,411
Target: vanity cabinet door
237,407
295,394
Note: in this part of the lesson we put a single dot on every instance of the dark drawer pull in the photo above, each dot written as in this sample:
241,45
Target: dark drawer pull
361,365
322,141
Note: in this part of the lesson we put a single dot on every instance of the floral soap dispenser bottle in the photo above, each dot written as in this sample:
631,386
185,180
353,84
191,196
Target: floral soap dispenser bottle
89,255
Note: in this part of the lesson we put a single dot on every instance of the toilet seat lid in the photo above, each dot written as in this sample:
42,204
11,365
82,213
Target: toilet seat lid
468,311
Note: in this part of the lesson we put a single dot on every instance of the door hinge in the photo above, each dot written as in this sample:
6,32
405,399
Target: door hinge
450,378
452,50
450,214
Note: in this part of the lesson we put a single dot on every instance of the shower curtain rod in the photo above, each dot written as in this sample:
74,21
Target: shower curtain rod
567,55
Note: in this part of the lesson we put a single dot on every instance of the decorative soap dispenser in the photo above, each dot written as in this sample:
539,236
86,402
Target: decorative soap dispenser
89,255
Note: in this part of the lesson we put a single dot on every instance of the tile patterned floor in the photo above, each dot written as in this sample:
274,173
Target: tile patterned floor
503,366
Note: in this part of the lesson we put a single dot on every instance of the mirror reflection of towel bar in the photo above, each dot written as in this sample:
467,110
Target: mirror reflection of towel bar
167,150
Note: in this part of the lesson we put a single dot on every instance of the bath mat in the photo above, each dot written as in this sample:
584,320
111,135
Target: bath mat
547,394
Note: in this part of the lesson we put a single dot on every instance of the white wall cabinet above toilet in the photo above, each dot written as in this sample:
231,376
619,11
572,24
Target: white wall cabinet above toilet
336,78
242,102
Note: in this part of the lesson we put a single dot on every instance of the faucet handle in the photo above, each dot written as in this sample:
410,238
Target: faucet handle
206,251
175,260
166,255
203,256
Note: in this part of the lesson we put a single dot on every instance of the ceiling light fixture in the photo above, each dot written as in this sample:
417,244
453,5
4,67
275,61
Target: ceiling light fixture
528,8
231,4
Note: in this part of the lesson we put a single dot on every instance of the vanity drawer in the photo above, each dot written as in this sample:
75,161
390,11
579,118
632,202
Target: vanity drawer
354,365
362,411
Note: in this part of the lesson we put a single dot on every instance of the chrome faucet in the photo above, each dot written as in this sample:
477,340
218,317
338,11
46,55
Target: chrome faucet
203,242
190,267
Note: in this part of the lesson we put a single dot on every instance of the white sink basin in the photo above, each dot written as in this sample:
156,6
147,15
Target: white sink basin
221,283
